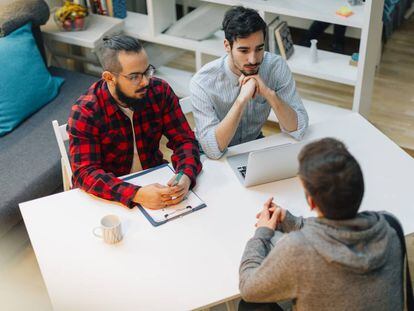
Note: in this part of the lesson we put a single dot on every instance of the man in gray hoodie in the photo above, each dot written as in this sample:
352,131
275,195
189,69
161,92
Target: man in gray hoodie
339,260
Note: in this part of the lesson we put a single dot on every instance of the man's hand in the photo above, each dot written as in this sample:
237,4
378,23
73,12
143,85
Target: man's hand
262,89
181,189
271,215
248,89
155,196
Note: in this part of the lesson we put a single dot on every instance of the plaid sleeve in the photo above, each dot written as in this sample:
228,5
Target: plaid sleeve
85,158
181,139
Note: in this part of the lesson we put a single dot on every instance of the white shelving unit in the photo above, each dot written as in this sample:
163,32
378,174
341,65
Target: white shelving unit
367,20
331,66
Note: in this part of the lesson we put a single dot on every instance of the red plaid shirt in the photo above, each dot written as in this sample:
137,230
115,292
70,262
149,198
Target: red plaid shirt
100,140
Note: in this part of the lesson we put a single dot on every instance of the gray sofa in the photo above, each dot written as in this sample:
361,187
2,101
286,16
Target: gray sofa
29,155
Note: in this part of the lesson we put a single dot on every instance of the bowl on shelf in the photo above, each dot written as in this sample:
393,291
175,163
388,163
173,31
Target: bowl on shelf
71,17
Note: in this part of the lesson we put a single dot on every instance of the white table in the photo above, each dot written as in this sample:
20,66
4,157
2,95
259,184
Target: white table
192,262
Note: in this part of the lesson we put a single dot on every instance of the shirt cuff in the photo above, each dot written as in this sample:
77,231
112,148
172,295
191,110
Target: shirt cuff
190,174
264,233
290,223
128,196
210,145
302,119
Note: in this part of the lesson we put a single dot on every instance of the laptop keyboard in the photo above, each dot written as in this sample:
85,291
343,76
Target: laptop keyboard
242,170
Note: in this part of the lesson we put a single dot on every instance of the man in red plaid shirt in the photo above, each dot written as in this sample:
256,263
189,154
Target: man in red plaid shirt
116,126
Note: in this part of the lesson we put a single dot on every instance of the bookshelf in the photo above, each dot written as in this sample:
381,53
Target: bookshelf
366,20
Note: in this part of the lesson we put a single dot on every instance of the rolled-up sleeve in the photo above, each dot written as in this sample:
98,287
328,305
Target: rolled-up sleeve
288,94
206,120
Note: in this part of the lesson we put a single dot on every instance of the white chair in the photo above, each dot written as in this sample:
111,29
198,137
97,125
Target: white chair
185,104
61,137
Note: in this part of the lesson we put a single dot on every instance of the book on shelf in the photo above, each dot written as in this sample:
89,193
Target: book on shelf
119,8
284,40
110,7
113,8
103,7
270,44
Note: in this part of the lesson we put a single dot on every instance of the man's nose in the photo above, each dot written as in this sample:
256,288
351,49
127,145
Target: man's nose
252,58
144,81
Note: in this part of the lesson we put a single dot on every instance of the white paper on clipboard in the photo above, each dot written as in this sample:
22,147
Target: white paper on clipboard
162,176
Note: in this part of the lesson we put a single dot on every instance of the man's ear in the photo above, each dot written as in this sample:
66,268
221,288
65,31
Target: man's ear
310,201
227,46
108,77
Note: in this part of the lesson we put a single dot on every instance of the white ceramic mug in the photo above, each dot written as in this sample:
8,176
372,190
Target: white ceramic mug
111,229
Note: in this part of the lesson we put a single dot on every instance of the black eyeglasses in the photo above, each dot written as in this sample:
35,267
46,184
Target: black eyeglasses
136,78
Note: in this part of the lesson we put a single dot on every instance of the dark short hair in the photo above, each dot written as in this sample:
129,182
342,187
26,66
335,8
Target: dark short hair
332,177
241,22
110,48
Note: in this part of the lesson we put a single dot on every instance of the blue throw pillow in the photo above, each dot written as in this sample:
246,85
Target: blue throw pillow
25,83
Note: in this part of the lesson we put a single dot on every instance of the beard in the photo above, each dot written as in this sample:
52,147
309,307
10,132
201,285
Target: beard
249,73
130,102
244,72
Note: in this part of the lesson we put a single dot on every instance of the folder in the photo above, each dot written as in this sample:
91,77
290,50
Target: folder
162,174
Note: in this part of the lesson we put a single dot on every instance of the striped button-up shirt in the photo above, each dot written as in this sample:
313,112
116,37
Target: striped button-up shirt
215,88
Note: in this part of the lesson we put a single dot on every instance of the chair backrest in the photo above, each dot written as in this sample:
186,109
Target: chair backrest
61,137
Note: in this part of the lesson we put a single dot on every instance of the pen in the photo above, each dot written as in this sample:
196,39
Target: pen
177,179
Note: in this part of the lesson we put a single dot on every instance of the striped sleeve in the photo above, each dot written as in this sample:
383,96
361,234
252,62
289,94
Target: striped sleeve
288,94
206,120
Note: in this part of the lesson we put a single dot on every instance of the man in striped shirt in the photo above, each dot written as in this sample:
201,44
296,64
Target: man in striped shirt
233,95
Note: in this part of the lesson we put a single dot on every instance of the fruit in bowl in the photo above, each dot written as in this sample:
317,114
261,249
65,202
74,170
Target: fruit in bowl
71,16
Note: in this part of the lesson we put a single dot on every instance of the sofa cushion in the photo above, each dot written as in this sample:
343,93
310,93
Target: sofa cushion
29,156
16,13
25,83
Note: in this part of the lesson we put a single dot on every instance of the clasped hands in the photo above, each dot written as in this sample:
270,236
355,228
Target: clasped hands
251,86
271,215
157,196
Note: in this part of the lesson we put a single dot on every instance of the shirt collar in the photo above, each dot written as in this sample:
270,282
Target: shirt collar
111,106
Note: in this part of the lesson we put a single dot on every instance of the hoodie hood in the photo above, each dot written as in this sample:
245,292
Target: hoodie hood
360,244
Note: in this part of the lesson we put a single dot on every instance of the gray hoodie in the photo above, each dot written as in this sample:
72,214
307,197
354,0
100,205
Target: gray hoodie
325,264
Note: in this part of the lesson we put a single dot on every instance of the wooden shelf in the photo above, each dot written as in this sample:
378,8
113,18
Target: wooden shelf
322,10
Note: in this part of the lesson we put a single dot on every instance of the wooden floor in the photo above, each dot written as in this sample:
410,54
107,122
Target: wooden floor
392,109
21,284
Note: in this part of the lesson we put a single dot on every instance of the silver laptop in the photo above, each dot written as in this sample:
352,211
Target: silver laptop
266,165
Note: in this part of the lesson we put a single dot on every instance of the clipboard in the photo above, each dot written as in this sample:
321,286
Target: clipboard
162,174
